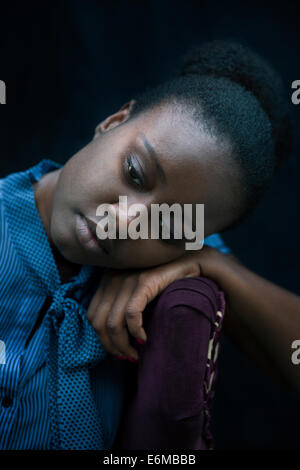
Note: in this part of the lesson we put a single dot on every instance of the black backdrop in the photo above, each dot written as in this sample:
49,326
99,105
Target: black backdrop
67,64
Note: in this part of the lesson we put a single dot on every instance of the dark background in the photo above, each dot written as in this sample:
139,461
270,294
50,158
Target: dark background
68,64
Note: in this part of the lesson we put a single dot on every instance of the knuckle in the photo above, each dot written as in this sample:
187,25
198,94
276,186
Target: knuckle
112,326
143,279
131,313
147,288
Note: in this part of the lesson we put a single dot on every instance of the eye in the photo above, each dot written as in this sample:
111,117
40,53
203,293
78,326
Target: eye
133,173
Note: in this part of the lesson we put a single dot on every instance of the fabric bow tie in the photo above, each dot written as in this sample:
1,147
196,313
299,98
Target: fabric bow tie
73,348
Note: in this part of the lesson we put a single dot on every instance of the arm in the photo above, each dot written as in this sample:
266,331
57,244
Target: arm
262,318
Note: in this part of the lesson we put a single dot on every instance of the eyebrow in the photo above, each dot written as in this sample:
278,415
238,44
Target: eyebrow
153,154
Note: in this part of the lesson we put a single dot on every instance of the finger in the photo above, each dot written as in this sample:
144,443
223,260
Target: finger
99,325
98,313
141,296
106,281
151,284
116,321
97,297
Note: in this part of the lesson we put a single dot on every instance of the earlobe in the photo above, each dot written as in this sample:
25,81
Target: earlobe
115,119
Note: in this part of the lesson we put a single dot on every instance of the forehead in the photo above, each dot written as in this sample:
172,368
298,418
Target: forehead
188,154
199,166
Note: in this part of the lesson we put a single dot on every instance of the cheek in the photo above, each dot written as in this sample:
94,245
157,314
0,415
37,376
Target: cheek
81,177
60,229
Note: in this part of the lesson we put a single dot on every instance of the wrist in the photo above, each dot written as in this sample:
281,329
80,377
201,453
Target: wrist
218,266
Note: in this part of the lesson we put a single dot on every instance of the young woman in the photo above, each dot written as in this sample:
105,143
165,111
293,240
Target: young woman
214,135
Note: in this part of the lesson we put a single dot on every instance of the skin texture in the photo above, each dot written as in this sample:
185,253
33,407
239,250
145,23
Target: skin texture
195,168
198,168
193,163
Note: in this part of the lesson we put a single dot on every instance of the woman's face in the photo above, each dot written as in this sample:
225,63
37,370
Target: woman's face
159,156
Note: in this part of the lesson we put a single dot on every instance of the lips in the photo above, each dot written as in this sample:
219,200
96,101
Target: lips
86,233
104,244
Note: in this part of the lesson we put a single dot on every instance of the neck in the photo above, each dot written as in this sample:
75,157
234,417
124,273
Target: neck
44,191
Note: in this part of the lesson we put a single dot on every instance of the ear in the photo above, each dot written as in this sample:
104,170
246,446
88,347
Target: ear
115,119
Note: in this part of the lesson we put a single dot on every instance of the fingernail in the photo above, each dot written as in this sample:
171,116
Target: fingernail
141,341
121,358
131,359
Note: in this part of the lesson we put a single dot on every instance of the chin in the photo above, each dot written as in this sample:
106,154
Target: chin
63,243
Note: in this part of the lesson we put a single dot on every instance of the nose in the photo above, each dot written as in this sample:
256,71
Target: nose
120,214
123,217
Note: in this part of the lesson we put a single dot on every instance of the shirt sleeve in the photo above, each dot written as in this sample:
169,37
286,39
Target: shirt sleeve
215,241
169,401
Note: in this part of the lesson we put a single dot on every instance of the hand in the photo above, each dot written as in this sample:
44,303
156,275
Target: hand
123,295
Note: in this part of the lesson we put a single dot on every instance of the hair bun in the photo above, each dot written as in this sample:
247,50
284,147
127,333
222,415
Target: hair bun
243,66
